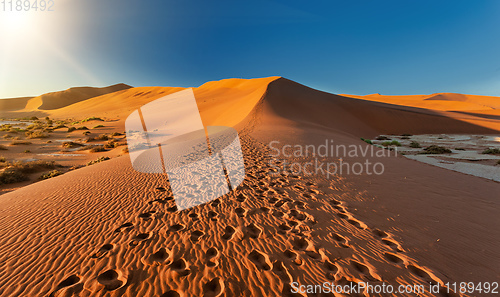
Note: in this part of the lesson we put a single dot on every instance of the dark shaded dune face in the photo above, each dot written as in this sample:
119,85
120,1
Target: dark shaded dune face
296,102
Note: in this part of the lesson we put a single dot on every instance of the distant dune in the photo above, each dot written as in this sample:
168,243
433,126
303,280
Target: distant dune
438,101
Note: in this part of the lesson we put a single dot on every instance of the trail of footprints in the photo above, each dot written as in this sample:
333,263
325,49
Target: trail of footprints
297,225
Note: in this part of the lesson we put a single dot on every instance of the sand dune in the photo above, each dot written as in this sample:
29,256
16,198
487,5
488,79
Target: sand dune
439,101
107,230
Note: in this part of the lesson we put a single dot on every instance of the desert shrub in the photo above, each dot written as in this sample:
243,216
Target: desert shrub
50,174
101,159
367,140
27,151
389,143
98,126
415,144
34,118
17,172
20,143
82,128
35,134
101,137
12,175
116,134
7,136
498,162
382,137
406,135
60,126
92,119
460,149
97,148
86,133
71,129
5,127
71,144
125,150
436,149
491,151
2,159
2,148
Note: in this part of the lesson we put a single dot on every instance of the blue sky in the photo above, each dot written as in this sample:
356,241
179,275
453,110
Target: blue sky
354,47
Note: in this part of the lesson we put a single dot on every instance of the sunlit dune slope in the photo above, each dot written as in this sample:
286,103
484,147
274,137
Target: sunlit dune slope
64,98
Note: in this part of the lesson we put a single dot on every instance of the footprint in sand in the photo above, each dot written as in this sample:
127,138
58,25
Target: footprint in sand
160,257
422,273
283,228
241,212
125,226
112,279
340,239
212,255
393,244
260,260
213,216
194,216
171,293
283,273
213,288
379,233
293,256
365,270
147,215
181,267
195,235
140,238
393,258
172,209
176,228
228,233
253,231
103,251
69,286
301,244
241,197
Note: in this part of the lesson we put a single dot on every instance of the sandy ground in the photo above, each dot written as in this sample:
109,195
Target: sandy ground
107,230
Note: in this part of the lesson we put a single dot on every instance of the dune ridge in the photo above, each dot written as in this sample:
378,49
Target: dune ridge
107,230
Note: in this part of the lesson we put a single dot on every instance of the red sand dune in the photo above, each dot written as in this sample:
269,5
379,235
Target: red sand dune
106,230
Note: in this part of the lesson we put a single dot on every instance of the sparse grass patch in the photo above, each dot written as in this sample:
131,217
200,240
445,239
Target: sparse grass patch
60,126
381,137
491,151
71,129
17,172
35,134
101,159
20,143
98,126
415,144
389,143
71,144
50,174
7,136
436,149
92,119
97,149
116,134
